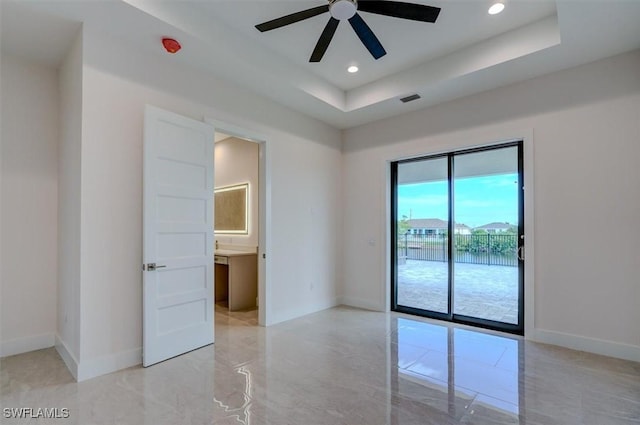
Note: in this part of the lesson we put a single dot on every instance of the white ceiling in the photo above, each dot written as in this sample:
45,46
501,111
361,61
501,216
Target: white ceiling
408,43
466,51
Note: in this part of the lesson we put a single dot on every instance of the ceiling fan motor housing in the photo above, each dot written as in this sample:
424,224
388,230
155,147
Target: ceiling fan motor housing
343,9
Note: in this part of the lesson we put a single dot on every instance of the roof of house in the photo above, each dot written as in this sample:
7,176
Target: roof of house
427,223
496,226
432,223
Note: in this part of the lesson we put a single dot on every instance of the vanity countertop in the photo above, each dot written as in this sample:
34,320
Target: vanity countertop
233,252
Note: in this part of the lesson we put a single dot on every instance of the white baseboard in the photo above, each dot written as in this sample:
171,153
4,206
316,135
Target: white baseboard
591,345
68,358
88,369
360,303
299,312
80,371
26,344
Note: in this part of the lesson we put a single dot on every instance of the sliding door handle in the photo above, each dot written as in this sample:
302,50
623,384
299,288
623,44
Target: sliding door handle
521,253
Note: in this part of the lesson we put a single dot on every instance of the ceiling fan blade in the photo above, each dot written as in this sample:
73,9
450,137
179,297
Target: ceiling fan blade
398,9
324,40
367,36
291,19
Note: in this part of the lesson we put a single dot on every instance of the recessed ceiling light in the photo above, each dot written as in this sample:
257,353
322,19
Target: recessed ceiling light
352,69
496,8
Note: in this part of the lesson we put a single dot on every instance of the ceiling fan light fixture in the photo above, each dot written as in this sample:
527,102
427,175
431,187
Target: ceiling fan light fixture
352,69
496,8
343,10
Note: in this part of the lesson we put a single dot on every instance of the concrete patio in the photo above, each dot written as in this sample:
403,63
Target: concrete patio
488,292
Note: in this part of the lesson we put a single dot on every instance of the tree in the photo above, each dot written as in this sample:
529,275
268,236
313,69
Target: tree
505,242
478,242
403,225
497,243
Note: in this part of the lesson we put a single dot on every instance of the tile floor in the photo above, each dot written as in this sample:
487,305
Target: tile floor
339,366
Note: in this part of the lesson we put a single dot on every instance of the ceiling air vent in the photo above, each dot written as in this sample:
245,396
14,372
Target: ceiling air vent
410,98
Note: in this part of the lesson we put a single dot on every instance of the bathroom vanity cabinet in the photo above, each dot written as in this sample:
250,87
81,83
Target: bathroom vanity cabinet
236,278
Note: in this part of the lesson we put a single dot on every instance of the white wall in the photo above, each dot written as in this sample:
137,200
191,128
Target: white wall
237,161
29,205
117,85
70,116
1,179
586,131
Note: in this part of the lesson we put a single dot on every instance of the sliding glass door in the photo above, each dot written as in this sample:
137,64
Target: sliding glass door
457,236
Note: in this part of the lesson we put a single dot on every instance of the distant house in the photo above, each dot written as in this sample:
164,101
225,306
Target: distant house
434,226
462,229
495,227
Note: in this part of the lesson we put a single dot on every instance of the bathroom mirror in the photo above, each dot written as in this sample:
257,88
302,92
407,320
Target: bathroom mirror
231,206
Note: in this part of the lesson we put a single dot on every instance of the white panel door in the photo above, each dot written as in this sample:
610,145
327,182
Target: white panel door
178,235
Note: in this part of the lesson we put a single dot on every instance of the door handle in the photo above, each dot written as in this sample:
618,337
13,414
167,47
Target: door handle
521,253
152,267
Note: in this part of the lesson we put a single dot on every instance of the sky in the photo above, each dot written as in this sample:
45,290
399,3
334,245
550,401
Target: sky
478,200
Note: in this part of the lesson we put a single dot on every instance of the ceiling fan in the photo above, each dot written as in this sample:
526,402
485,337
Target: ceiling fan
347,10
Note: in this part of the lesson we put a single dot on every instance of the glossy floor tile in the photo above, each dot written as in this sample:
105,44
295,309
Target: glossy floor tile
339,366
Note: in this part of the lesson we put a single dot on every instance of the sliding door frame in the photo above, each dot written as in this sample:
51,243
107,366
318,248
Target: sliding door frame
451,316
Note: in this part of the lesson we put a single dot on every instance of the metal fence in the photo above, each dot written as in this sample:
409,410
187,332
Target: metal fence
491,249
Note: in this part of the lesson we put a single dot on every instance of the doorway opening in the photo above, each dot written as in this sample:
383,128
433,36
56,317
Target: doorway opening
238,228
458,236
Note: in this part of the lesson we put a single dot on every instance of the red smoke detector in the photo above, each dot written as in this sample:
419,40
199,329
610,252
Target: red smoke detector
171,45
